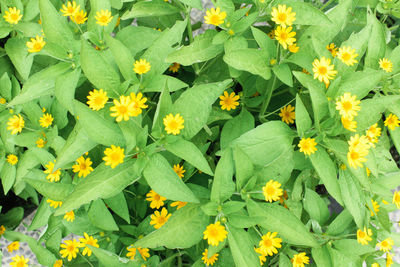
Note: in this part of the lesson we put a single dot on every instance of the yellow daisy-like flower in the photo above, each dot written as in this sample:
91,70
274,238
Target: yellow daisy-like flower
375,265
12,159
103,17
3,100
262,257
285,36
144,252
294,48
40,143
174,67
272,191
358,150
52,175
54,204
389,259
323,70
69,216
173,124
300,259
70,9
392,121
70,249
229,101
386,64
2,230
269,244
138,102
46,120
83,166
158,219
209,260
375,206
363,237
178,204
179,170
88,240
122,109
19,261
348,106
307,146
16,123
58,263
141,66
114,156
80,17
97,99
13,246
373,133
288,114
214,16
396,199
282,15
386,244
157,201
333,49
36,44
215,233
349,124
347,55
13,15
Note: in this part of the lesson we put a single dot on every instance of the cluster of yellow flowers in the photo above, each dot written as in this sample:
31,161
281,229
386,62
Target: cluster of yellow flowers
268,246
144,252
348,108
73,11
284,17
364,236
214,234
70,248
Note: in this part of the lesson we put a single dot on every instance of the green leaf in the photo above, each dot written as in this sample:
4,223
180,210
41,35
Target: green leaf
53,191
103,182
118,205
108,258
16,50
340,223
190,153
183,230
321,256
303,120
283,72
352,247
278,219
236,127
316,207
100,216
242,247
193,3
7,176
306,13
42,216
194,105
244,168
163,180
137,38
158,82
376,44
232,206
65,88
264,42
12,218
93,123
251,60
223,186
150,9
163,108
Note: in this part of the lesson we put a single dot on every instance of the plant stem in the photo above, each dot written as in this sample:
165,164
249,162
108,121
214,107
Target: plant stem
326,4
276,110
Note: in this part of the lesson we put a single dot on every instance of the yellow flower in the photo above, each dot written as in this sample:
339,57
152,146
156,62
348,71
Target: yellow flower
269,244
178,204
173,124
262,257
272,191
36,44
229,101
52,175
69,216
15,124
215,233
349,124
283,16
307,146
392,121
12,159
70,9
396,199
300,259
46,120
179,170
83,166
122,109
88,240
209,260
54,204
386,244
13,246
40,143
375,265
288,114
386,64
19,261
369,173
271,34
157,201
294,48
284,36
347,55
158,219
79,17
13,15
70,248
138,102
97,99
363,237
323,70
58,263
389,260
141,66
375,206
214,16
333,49
3,100
358,150
144,252
373,133
103,17
2,230
114,156
174,67
348,106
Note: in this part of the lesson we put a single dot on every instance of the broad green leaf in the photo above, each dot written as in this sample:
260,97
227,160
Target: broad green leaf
193,3
108,258
315,206
306,13
278,219
53,191
100,216
80,225
163,108
163,180
243,167
340,223
184,229
242,247
12,218
17,52
340,259
321,256
376,44
283,72
5,86
303,120
42,215
236,127
59,114
232,206
223,186
118,205
352,247
156,84
264,41
26,162
137,38
150,9
7,176
65,86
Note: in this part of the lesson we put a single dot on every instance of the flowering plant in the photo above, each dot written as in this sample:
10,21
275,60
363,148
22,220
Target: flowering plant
265,140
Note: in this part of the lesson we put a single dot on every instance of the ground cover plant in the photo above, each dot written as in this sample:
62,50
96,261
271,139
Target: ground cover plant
270,139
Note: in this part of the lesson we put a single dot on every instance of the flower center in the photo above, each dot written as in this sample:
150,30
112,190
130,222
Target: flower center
14,17
98,100
83,166
299,260
385,65
346,56
322,70
71,248
215,19
16,124
213,232
347,105
384,244
20,264
228,101
161,220
361,234
282,17
270,190
397,198
173,124
156,197
354,155
283,36
122,109
142,68
267,243
114,157
103,19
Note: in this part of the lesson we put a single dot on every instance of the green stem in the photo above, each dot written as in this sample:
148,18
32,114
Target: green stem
326,4
278,109
265,104
190,35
